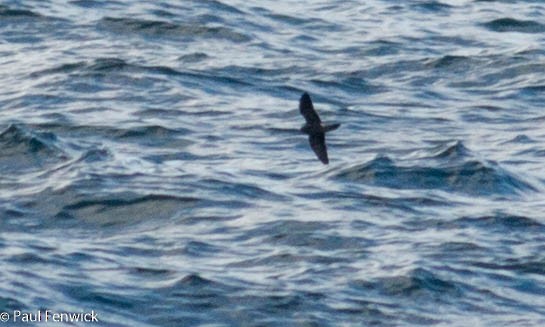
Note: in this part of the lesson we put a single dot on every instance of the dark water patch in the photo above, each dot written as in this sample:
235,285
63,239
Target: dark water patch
224,202
419,285
26,27
201,249
23,149
248,191
514,25
305,39
206,220
532,53
196,293
288,260
301,22
7,13
9,304
516,266
103,66
107,64
285,226
96,67
121,209
93,4
178,156
521,139
368,313
209,19
490,108
162,29
245,76
217,6
452,63
533,91
204,301
193,280
306,234
62,69
83,131
501,222
459,247
13,212
151,135
379,48
269,174
470,177
431,7
148,272
211,80
194,57
396,69
40,101
242,72
349,200
169,113
95,155
270,308
287,19
95,296
352,83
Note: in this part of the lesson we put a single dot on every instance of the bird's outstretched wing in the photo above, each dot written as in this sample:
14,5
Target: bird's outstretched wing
317,143
307,110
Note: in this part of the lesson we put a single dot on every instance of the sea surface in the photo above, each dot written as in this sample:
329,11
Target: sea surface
152,170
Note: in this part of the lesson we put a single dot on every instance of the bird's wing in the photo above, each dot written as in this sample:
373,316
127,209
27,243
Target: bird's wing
317,143
307,110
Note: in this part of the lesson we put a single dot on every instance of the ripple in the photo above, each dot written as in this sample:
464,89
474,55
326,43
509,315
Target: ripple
162,29
514,25
502,222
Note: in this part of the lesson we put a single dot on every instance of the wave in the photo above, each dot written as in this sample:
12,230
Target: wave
417,283
456,151
214,79
22,148
471,177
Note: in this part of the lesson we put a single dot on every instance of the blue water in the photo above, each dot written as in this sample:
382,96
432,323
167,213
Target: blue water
152,168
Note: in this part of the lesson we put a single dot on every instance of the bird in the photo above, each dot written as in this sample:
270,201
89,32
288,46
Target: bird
314,128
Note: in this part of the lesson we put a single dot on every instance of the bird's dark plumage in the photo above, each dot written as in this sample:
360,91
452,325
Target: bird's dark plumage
314,128
317,143
307,110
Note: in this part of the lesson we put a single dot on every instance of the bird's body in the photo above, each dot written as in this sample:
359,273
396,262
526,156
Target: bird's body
314,128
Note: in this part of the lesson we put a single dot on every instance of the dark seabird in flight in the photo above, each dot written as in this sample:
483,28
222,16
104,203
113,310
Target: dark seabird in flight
314,128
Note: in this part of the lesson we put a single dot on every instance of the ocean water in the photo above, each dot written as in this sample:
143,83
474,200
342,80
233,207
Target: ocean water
153,171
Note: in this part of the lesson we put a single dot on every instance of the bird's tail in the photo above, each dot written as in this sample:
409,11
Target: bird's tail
331,127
